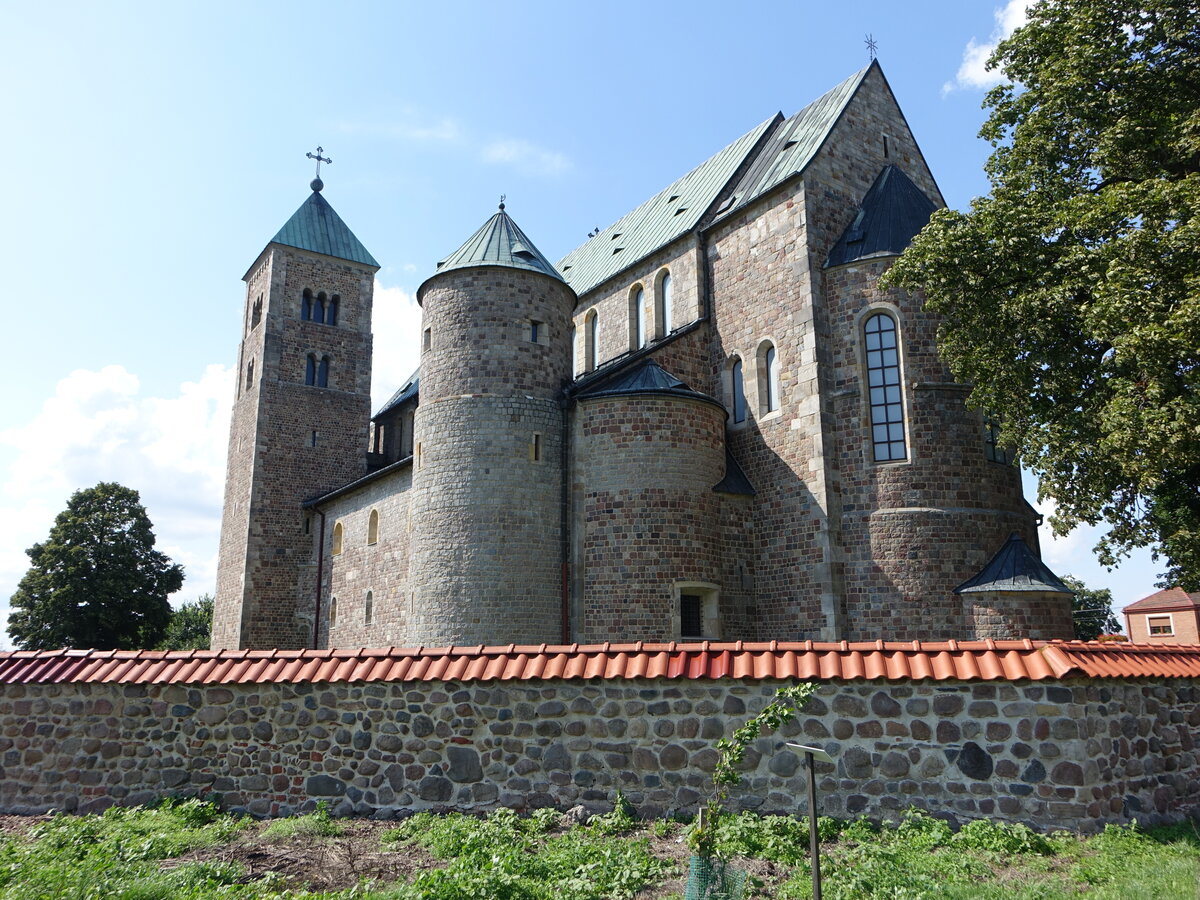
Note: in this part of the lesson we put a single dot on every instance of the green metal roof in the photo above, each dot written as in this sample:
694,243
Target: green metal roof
787,146
671,212
498,243
316,227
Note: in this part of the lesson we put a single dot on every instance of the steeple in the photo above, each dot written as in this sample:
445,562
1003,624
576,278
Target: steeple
317,228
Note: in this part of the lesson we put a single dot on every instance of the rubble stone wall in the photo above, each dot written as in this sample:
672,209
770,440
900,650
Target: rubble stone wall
1072,754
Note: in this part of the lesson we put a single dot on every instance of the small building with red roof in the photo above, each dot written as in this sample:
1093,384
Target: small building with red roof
1170,616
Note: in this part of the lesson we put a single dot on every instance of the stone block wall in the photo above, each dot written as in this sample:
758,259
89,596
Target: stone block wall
1071,754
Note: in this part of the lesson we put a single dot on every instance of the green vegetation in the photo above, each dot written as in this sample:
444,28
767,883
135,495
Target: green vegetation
190,627
188,850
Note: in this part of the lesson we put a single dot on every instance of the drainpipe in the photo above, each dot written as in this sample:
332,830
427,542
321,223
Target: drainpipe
320,575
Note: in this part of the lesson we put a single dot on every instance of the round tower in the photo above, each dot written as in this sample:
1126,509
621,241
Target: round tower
650,451
487,484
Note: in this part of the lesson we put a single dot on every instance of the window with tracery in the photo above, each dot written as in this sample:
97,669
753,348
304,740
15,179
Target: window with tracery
883,384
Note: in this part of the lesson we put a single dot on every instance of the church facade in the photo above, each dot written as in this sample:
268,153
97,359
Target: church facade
706,422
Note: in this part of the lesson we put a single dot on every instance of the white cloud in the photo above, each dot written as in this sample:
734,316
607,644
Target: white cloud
396,322
525,157
97,427
972,72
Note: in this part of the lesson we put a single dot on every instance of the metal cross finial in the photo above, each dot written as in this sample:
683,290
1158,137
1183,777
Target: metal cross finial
320,159
872,46
502,198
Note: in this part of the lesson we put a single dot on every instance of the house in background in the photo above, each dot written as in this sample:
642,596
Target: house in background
1171,616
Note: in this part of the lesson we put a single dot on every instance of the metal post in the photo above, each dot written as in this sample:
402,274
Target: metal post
814,838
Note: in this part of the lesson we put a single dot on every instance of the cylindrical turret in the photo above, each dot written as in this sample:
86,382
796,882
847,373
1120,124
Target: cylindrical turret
487,489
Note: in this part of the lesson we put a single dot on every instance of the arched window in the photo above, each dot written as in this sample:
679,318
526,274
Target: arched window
310,370
337,538
318,313
256,312
768,378
664,312
574,349
306,309
249,374
369,608
323,372
637,314
883,386
591,334
373,527
331,311
737,391
333,611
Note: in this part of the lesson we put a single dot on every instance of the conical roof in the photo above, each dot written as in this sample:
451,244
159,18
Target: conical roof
500,242
646,378
1014,568
317,228
891,214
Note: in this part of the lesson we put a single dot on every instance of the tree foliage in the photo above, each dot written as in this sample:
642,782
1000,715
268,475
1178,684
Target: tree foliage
1091,611
97,581
1070,295
190,627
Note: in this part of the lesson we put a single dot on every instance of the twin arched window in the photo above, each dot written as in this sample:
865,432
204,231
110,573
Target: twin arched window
321,308
316,371
881,337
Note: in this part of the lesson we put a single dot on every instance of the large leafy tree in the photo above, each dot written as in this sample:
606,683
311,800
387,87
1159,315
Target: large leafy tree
1091,610
190,627
1070,295
97,581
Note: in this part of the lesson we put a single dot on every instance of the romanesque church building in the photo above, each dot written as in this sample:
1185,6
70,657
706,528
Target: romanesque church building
707,422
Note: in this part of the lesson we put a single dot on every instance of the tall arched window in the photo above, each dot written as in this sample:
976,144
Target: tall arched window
306,309
333,611
737,391
883,385
318,313
310,370
369,608
338,531
768,378
638,315
250,375
373,527
591,334
663,305
331,311
323,372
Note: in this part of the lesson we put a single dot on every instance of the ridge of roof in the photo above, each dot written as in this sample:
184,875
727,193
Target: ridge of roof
891,214
1014,568
1168,598
672,212
316,227
798,660
498,242
406,391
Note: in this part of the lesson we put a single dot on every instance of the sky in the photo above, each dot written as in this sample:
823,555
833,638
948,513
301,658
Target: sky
153,149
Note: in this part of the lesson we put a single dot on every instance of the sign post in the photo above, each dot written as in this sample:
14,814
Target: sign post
811,754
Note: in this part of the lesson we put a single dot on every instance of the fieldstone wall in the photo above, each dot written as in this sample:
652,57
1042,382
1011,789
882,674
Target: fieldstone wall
1073,754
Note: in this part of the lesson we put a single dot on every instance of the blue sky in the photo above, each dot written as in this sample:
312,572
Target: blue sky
154,148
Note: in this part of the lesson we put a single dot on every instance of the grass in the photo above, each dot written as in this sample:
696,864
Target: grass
187,850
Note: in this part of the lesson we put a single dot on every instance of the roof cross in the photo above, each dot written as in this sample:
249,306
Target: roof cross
320,159
872,46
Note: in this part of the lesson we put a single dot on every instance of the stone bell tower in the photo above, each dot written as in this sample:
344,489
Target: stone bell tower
299,424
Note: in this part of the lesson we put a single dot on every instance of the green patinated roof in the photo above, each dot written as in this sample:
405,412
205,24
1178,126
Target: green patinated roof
787,146
671,212
316,227
498,243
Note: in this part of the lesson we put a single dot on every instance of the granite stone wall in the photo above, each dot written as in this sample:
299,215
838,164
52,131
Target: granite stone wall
1071,754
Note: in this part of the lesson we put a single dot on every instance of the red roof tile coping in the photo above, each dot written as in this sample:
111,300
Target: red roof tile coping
804,660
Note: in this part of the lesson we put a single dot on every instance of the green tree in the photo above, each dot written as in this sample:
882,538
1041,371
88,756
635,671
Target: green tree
190,627
1091,611
97,581
1070,295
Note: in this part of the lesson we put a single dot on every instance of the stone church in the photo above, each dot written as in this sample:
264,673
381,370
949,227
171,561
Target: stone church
707,422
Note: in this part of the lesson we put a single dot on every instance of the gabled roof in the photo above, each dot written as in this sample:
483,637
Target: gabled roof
891,214
671,212
499,242
406,391
1171,598
802,660
793,144
766,156
647,378
1014,568
317,228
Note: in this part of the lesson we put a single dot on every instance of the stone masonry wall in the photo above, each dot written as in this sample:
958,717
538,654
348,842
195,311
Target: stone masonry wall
1072,754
